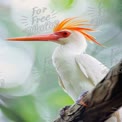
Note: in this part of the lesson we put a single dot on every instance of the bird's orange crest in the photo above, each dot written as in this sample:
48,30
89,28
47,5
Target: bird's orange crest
76,24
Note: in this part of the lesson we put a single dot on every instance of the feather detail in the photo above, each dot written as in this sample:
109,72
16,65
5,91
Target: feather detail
61,83
91,66
75,24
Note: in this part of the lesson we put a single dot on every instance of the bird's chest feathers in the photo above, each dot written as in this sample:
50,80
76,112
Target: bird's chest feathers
65,65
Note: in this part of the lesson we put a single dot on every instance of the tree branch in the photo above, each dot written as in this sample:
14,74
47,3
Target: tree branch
103,101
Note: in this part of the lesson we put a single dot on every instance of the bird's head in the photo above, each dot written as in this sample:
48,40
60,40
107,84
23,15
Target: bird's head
66,31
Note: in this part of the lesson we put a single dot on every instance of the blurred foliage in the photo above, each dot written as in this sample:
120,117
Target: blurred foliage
44,103
23,111
62,4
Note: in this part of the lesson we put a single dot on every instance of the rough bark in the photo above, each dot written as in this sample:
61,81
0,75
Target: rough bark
102,102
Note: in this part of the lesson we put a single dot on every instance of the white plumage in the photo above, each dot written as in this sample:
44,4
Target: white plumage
78,72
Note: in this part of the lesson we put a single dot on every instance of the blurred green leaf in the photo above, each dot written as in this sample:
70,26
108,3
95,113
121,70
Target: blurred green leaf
62,4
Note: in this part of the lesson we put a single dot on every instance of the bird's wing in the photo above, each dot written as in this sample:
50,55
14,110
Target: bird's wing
61,83
91,68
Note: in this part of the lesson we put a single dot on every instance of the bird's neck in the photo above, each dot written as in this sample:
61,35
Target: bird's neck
72,49
76,46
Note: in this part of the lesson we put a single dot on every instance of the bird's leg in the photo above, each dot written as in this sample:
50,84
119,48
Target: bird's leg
80,101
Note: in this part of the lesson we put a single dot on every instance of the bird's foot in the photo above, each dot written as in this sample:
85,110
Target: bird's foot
80,101
62,111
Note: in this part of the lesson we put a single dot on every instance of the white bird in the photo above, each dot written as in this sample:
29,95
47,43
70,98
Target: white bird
78,72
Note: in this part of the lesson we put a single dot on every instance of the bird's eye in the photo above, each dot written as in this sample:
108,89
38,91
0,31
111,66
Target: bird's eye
65,33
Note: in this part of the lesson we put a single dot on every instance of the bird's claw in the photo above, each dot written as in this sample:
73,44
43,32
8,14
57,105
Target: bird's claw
80,101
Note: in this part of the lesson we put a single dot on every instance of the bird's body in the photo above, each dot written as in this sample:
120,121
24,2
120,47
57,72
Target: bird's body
70,77
78,71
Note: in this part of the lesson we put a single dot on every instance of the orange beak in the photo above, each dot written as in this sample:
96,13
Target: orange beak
48,37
